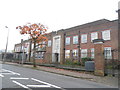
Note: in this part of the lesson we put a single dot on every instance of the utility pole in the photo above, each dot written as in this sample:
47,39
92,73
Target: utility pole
5,54
23,53
64,47
119,44
79,46
21,50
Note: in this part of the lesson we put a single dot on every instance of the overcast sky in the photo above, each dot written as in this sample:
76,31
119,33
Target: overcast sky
56,14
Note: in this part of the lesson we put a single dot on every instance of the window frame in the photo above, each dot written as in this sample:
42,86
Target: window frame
82,56
82,40
104,36
94,35
49,43
41,54
67,41
110,53
74,39
76,53
67,55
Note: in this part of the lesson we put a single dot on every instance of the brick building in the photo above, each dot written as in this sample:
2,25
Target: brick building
22,50
77,42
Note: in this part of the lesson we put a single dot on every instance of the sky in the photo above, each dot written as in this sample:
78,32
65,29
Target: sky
55,14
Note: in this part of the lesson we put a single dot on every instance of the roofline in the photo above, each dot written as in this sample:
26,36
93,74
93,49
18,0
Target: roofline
88,24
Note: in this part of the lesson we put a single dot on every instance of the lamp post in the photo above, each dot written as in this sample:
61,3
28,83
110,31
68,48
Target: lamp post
6,45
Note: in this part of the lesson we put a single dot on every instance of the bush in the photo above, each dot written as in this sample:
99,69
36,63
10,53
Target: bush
75,62
68,62
83,60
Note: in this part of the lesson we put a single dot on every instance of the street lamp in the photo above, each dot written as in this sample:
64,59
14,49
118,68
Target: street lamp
6,45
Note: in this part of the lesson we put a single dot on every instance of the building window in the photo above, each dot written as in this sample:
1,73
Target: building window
94,35
107,53
57,43
84,38
67,41
39,55
67,53
18,49
25,47
49,43
92,53
75,53
106,35
83,53
43,44
75,39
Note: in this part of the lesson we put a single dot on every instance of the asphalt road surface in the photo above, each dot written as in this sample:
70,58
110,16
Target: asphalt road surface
26,78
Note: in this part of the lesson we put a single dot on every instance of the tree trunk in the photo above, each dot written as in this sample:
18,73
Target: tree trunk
30,50
34,51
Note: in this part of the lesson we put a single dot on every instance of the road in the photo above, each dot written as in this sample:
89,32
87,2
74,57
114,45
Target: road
21,77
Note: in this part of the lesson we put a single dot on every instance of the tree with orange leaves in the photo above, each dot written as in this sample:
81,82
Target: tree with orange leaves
37,34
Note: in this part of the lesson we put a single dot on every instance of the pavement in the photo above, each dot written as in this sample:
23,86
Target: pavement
107,80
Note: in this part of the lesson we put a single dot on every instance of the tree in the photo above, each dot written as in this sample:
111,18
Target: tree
37,34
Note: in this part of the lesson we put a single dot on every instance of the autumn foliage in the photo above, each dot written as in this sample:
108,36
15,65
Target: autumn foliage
36,31
37,34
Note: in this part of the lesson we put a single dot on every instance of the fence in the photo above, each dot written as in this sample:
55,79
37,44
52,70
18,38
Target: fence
70,59
7,57
111,62
12,57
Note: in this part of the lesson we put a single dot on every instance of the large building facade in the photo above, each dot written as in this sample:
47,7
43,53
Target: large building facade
77,42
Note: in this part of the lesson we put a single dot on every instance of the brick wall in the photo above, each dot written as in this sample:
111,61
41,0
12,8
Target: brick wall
96,26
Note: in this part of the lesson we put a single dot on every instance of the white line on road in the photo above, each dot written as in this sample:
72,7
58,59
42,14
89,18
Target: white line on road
10,72
1,75
19,84
19,78
45,83
7,73
38,86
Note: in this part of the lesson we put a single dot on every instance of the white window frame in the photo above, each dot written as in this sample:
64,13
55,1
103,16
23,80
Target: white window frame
108,53
84,38
75,40
49,43
67,41
67,53
39,55
106,35
18,49
83,53
75,52
94,35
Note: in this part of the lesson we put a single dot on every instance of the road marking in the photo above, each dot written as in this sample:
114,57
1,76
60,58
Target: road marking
1,75
19,78
38,86
10,72
19,84
7,73
45,83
